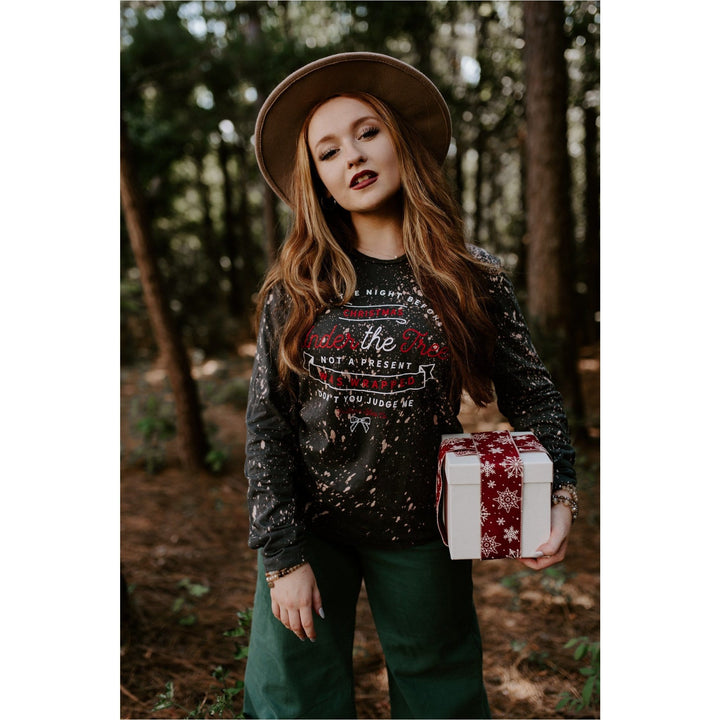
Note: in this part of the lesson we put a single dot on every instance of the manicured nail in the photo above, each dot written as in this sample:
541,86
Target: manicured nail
311,640
321,613
538,555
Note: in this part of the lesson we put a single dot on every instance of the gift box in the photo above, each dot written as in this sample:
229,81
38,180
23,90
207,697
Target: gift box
493,494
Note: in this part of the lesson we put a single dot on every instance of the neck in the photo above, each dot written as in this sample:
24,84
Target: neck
379,236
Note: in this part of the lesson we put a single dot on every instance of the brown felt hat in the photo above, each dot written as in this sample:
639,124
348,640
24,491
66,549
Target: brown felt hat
406,90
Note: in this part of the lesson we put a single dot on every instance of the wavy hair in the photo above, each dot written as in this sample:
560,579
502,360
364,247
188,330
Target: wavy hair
315,272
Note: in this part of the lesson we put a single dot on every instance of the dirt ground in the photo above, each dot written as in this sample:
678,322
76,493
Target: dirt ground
189,571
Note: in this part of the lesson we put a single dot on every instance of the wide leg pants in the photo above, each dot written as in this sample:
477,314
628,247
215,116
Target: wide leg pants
423,609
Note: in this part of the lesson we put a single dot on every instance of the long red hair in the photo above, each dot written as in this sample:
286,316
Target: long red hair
314,270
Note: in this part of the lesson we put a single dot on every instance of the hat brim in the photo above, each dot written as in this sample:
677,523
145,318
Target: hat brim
406,90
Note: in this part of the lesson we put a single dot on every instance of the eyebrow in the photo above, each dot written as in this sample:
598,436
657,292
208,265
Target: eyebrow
332,136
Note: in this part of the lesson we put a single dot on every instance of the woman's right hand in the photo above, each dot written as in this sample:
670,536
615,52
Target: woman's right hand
294,597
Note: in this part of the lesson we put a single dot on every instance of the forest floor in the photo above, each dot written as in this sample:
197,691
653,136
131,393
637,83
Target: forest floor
189,570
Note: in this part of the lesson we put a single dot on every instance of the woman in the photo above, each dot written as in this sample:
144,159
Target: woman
373,320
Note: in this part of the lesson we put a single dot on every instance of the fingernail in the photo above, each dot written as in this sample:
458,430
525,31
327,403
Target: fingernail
311,640
321,613
538,554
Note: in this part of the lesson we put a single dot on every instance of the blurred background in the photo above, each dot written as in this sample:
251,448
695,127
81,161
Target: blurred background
194,75
199,228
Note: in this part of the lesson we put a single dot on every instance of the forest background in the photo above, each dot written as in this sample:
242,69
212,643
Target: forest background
77,426
200,228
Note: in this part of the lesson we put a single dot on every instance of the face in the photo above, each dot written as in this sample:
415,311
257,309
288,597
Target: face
354,155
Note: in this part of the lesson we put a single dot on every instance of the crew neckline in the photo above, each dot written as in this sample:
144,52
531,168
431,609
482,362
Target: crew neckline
380,261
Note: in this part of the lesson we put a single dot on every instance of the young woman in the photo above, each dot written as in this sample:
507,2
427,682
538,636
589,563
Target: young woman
373,320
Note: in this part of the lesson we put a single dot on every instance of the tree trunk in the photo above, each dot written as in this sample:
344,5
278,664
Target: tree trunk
479,175
248,248
229,237
550,247
592,223
191,432
270,217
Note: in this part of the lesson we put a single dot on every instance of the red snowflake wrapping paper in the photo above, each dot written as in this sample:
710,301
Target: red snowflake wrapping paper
494,508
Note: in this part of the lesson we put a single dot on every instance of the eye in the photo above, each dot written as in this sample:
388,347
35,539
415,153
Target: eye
327,154
369,133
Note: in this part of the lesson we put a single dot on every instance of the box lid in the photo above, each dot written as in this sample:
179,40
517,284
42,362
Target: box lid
465,469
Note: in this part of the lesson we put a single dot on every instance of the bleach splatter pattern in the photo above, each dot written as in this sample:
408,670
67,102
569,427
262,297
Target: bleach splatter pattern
355,458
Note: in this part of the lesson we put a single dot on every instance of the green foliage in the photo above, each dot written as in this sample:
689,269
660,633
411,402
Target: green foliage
218,454
215,459
226,694
154,423
166,699
536,658
185,602
241,631
551,580
590,694
233,392
193,76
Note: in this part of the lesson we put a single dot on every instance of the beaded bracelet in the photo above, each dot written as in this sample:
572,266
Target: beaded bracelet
274,575
571,502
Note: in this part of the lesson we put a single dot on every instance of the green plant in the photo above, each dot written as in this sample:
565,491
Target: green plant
538,658
233,392
155,425
590,695
223,701
551,580
217,456
215,459
241,631
185,601
226,694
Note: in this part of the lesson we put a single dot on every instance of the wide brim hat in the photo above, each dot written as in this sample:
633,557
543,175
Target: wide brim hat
406,90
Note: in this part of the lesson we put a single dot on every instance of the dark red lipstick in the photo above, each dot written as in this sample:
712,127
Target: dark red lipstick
363,179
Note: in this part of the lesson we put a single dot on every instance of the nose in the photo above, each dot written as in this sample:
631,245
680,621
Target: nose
355,158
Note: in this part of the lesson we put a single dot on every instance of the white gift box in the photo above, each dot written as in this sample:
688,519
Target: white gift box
462,490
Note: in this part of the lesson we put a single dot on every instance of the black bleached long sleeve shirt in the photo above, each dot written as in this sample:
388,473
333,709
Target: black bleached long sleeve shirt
353,457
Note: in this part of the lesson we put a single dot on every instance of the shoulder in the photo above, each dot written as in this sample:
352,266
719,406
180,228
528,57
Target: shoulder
495,280
484,257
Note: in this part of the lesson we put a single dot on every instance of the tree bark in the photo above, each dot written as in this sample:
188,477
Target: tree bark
191,432
592,223
270,218
230,245
550,246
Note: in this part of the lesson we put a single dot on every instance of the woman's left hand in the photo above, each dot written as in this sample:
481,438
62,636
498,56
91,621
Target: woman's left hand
553,551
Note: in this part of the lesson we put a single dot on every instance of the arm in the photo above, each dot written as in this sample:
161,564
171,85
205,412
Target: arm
271,466
525,392
529,400
271,454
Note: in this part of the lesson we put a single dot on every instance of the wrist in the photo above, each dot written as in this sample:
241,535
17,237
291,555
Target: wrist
274,575
567,495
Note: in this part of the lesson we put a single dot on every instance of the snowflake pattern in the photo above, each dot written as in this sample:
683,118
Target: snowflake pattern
486,468
484,514
488,545
508,500
513,466
500,470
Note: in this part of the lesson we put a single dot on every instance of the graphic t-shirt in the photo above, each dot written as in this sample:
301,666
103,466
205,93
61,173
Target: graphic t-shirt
354,458
378,375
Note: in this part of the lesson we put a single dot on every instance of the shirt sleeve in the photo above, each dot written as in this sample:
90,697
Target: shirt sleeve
271,453
525,392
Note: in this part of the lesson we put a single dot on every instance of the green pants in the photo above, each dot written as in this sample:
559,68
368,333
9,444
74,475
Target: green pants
423,609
